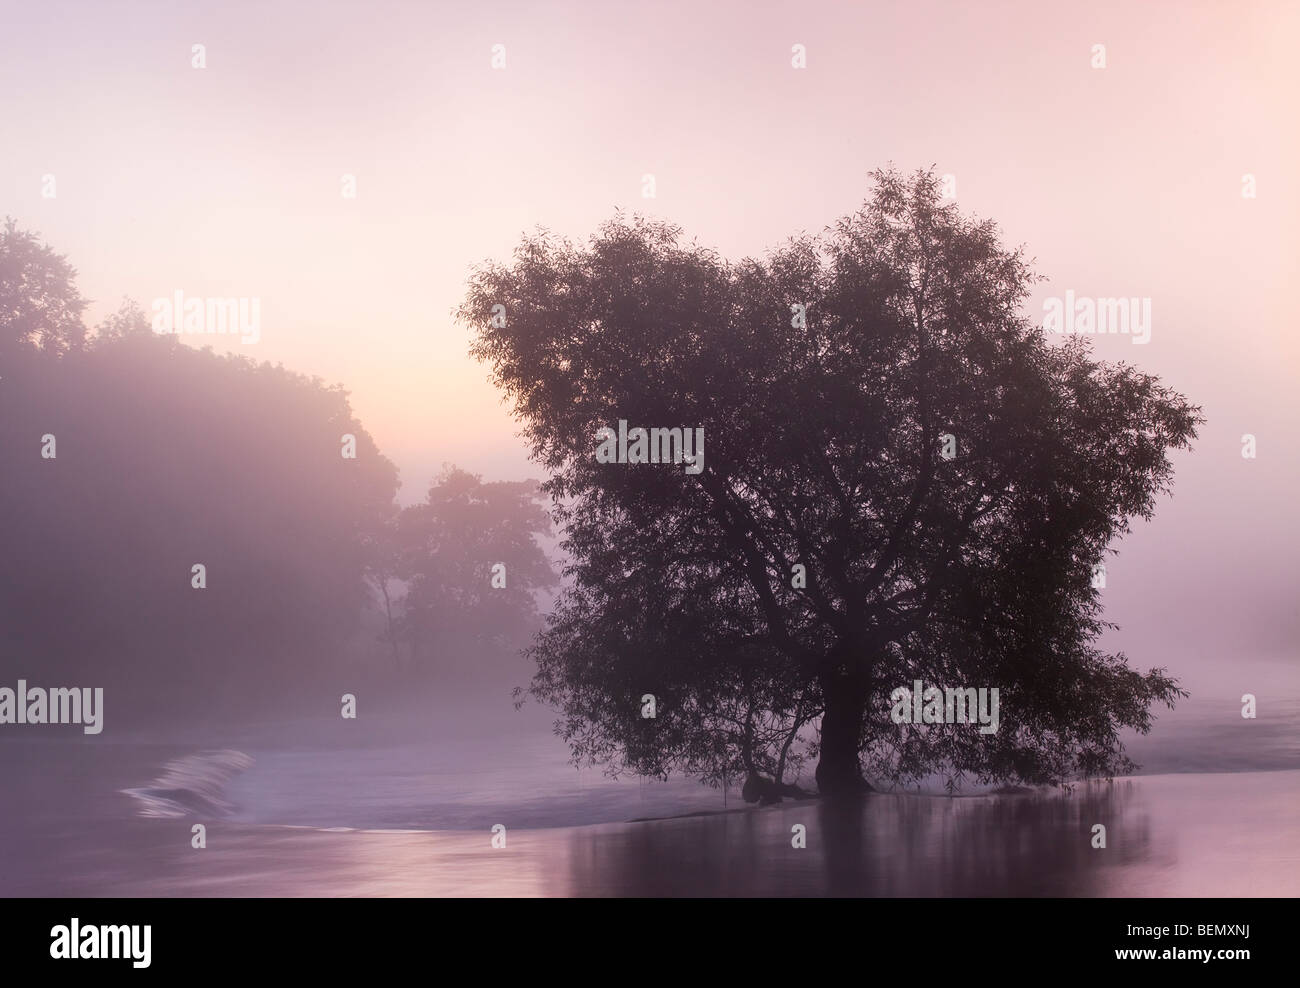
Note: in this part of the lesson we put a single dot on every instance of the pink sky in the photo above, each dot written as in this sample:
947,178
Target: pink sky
1121,181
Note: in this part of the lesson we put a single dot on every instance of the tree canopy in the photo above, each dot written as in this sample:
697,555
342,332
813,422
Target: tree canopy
40,306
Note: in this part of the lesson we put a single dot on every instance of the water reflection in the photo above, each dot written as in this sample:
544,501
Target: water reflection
883,845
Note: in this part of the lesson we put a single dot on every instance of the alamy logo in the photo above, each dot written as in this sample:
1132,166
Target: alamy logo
77,942
1098,315
651,446
55,706
951,706
221,316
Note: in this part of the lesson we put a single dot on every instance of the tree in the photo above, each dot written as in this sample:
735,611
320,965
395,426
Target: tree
831,380
40,307
472,566
129,321
170,456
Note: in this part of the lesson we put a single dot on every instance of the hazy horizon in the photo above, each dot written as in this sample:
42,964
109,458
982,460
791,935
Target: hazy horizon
1120,181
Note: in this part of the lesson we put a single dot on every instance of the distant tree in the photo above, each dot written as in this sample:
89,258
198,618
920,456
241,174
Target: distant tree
826,378
40,307
471,564
128,321
169,457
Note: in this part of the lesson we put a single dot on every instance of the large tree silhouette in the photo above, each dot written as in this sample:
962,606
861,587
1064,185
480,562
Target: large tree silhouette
825,378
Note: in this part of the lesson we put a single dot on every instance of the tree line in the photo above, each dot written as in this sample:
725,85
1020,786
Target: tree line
162,456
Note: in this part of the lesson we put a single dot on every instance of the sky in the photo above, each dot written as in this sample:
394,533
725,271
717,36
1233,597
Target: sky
1125,181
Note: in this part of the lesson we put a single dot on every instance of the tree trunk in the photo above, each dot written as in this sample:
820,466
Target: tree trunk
839,771
388,610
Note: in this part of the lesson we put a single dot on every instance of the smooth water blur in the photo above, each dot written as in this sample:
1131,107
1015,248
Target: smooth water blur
410,813
1175,835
